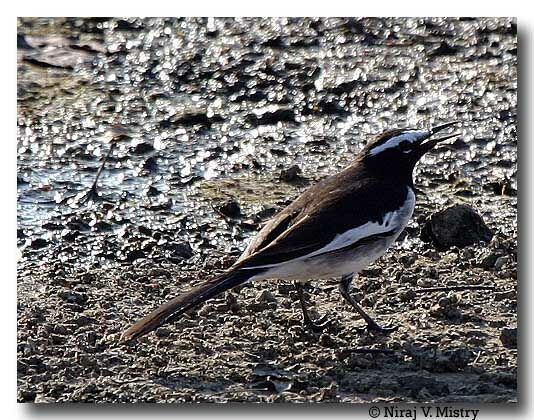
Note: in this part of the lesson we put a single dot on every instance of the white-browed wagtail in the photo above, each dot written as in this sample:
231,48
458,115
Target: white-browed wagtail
337,227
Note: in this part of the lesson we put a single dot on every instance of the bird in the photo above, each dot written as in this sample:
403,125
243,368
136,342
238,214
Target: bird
335,228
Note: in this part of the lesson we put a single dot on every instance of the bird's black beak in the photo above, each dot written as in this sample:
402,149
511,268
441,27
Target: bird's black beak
430,142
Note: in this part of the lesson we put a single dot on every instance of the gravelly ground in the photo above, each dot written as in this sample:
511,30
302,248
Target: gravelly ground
217,111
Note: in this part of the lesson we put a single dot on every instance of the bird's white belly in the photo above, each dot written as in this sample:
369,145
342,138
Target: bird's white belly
332,263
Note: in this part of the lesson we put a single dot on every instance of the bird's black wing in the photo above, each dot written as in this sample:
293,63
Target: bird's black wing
339,203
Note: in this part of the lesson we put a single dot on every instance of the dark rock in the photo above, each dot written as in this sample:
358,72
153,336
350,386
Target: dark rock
190,119
276,42
135,254
69,235
143,148
145,231
459,225
331,107
151,164
87,278
148,245
152,191
508,337
26,396
487,260
407,296
344,87
230,208
356,361
166,205
444,49
506,115
102,226
39,243
73,297
326,340
502,187
83,320
255,95
79,225
52,226
291,174
180,250
500,263
163,332
508,294
266,296
278,151
128,25
271,116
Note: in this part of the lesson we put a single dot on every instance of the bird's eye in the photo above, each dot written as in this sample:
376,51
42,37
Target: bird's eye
405,146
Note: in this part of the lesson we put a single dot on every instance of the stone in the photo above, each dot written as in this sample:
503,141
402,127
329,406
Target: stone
290,174
230,208
508,337
459,226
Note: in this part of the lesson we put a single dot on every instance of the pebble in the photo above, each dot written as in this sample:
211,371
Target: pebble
271,115
444,49
230,208
180,250
508,337
500,263
459,225
150,165
290,174
189,119
143,148
134,254
266,296
38,243
407,296
508,294
73,297
487,261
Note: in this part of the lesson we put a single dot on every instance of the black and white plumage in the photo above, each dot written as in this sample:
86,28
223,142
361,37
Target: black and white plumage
335,228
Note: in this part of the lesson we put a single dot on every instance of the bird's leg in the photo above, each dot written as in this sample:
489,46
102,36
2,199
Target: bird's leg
308,322
344,288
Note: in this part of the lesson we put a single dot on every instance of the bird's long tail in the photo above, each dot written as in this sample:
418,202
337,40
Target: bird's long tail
171,310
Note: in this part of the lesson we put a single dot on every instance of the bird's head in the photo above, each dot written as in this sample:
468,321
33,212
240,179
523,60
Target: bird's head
397,151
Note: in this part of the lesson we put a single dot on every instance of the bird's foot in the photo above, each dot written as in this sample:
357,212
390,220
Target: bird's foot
317,326
373,327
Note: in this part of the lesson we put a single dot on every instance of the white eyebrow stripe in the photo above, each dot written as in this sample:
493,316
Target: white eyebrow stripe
411,136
